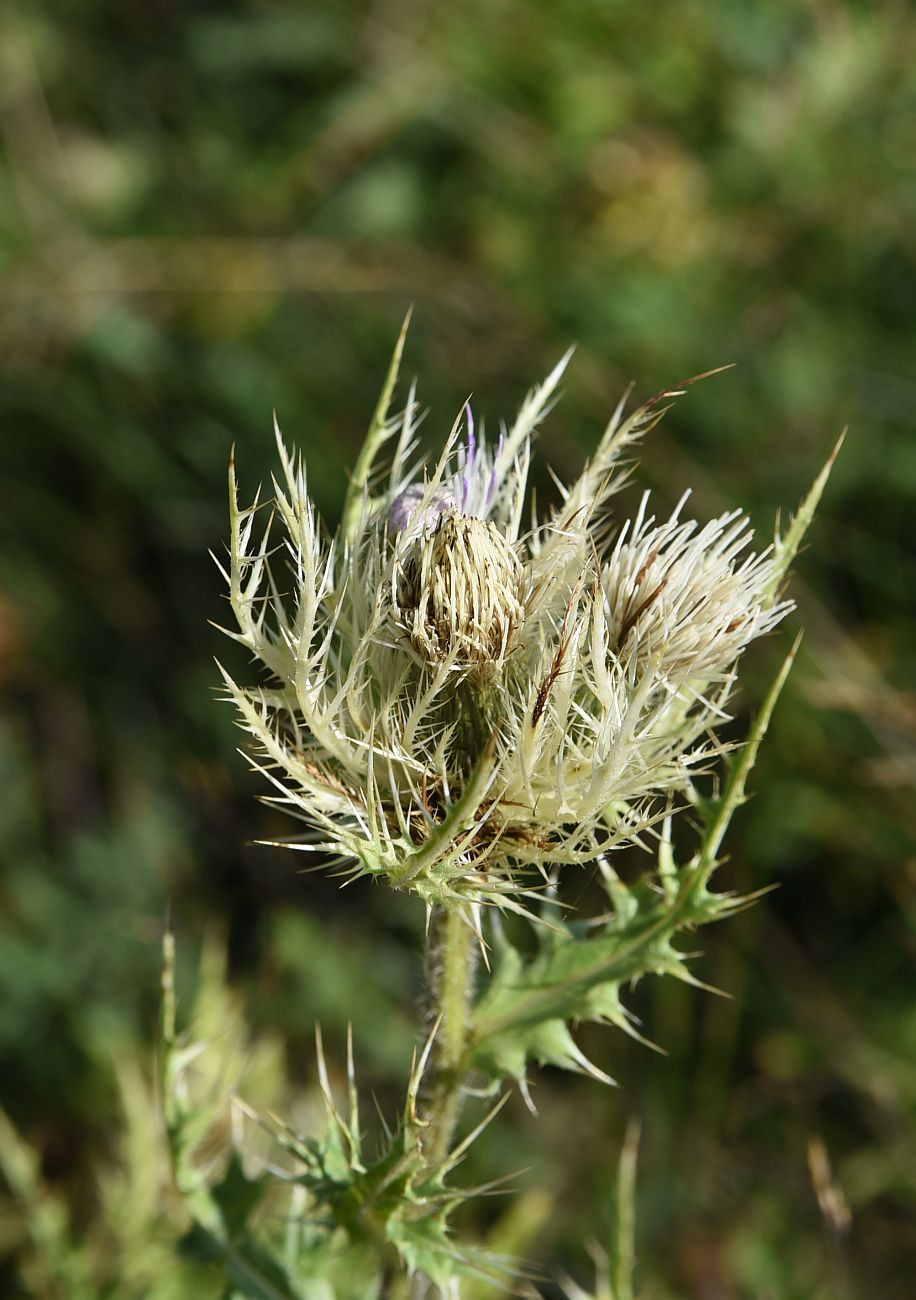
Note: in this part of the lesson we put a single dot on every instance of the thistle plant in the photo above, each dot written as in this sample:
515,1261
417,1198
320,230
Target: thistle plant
468,703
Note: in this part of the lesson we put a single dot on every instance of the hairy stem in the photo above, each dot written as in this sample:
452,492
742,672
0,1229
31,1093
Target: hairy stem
454,958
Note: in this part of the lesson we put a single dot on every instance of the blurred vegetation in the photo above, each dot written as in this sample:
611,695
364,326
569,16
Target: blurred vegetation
210,211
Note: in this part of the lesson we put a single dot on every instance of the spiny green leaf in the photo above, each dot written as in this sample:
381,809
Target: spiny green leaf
251,1269
787,547
378,434
334,1269
237,1195
717,813
425,1246
526,1010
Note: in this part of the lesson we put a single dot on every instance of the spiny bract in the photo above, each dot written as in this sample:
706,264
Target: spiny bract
456,695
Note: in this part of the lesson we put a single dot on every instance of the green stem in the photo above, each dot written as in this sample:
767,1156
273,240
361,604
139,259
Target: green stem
454,958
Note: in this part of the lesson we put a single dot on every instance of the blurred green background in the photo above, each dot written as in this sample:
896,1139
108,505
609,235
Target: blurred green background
210,211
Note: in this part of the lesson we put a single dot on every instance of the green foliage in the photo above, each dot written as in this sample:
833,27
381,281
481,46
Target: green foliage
128,1251
348,1219
207,214
528,1008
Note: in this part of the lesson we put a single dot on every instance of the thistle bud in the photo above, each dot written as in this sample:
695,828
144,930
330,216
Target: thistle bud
460,595
564,670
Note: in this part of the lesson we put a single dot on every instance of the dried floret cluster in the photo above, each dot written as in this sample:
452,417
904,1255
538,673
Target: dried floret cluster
457,692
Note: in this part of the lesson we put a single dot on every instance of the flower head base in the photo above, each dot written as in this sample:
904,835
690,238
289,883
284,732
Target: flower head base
459,596
452,702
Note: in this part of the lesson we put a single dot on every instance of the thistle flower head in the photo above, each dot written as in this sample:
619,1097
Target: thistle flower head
459,596
450,700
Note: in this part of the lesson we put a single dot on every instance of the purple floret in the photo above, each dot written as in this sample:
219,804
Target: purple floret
404,508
